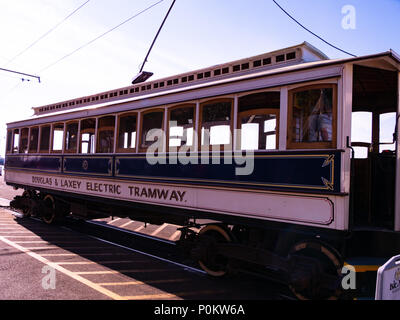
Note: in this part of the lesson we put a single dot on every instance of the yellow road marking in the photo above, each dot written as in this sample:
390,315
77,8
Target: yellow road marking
63,248
122,271
126,224
59,254
170,295
98,262
85,254
35,237
159,229
56,242
42,248
363,268
73,275
138,229
12,232
175,235
112,221
134,283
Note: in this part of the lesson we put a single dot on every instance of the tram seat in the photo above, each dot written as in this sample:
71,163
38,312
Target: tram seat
383,182
362,191
374,180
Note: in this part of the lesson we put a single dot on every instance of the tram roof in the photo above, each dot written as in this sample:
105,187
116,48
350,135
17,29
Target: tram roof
215,82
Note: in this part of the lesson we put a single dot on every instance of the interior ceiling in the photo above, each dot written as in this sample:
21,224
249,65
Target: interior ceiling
374,89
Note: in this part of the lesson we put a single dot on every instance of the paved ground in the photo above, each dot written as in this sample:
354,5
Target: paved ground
7,192
51,262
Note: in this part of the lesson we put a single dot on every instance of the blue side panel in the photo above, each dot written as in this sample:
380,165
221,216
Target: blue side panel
292,171
88,165
39,163
307,172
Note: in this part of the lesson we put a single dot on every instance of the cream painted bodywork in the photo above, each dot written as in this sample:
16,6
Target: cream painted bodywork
319,211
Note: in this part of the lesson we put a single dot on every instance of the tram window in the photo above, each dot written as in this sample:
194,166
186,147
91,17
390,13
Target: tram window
181,126
23,141
361,131
312,119
151,121
16,141
34,140
258,121
88,127
71,137
44,139
216,123
387,126
127,133
9,140
105,136
258,131
58,133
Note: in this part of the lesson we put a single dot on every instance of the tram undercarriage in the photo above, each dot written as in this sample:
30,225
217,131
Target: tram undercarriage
309,265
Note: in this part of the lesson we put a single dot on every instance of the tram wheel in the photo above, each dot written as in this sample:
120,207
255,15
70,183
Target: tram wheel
212,263
49,214
331,263
27,211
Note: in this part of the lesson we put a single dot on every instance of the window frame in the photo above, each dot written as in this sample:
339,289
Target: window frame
40,138
126,150
181,106
312,145
200,127
65,137
13,140
29,140
53,125
143,113
260,111
9,141
99,130
87,130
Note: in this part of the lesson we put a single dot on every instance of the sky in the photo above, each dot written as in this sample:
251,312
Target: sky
197,34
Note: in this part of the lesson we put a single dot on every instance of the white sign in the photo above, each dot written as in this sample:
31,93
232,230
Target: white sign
388,280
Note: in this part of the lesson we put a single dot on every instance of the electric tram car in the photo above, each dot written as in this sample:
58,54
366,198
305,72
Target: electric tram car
289,157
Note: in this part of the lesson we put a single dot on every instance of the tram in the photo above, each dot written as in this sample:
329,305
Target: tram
266,151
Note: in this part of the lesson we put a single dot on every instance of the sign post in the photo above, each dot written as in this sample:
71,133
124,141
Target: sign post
388,280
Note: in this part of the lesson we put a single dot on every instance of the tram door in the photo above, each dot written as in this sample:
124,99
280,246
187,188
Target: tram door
373,141
374,166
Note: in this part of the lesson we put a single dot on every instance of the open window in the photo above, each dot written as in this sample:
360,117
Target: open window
44,139
71,137
216,124
152,127
127,128
258,121
181,126
87,135
16,135
312,117
58,134
34,140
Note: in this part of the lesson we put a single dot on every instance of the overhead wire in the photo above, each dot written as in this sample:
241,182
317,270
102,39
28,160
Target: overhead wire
314,34
100,36
47,33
